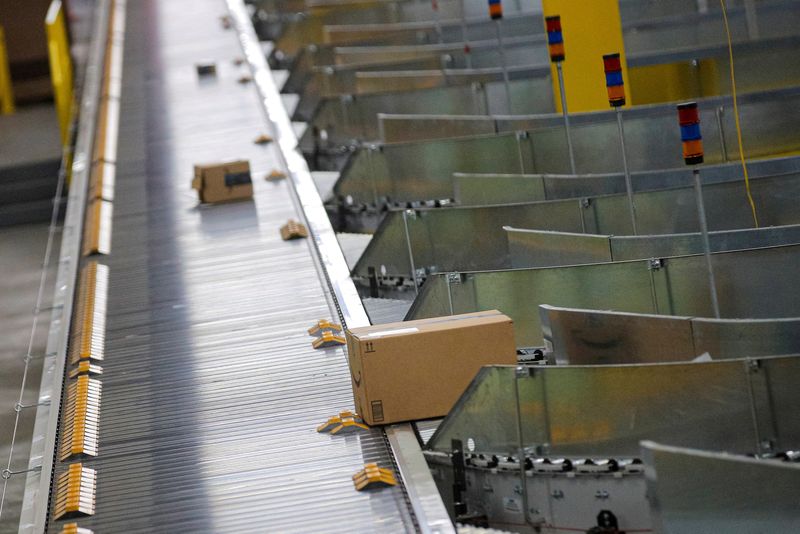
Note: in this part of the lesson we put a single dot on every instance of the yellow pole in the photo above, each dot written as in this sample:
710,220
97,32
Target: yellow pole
591,29
60,64
6,91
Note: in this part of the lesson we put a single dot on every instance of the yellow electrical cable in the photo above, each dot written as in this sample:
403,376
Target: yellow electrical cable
736,114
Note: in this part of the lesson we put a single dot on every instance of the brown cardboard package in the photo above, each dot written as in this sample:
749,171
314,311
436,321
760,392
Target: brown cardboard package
223,181
418,369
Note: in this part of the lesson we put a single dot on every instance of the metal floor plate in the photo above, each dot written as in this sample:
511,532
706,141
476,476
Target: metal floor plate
353,246
211,389
383,311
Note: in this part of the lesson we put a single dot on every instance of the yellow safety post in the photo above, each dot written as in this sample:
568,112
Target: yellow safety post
60,64
6,91
591,29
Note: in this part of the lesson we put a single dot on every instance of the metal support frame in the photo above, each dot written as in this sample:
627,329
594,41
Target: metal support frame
499,29
37,486
701,214
565,112
464,38
628,182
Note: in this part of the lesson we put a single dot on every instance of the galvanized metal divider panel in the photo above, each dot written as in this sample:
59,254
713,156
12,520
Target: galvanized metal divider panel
337,80
653,33
630,9
755,283
322,54
362,116
604,411
760,65
537,145
534,94
488,189
352,246
312,27
388,81
539,248
479,28
692,491
520,49
383,311
697,29
471,239
404,33
212,391
596,337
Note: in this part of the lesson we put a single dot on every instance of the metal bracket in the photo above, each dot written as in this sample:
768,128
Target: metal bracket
459,477
5,474
19,406
454,278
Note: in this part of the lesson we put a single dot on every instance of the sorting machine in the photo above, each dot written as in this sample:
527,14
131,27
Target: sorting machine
451,197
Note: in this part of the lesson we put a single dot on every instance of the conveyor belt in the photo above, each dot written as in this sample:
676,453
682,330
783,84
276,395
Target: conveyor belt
211,389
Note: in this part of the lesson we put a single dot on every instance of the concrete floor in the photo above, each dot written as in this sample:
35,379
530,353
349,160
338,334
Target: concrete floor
30,156
28,138
21,252
29,135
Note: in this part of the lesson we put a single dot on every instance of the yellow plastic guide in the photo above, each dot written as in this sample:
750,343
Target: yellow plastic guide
86,367
81,418
328,339
75,492
322,325
88,342
344,423
73,528
293,230
97,233
348,426
591,28
60,64
275,175
101,184
6,90
262,139
373,476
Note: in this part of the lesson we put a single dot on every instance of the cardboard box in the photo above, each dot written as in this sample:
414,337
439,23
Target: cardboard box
221,182
419,369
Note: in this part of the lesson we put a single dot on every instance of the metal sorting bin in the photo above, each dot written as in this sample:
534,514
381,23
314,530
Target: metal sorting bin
467,202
